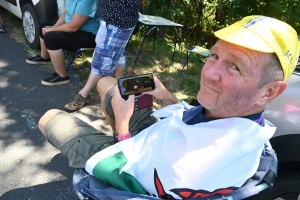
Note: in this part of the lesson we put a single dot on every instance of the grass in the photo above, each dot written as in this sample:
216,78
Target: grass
158,62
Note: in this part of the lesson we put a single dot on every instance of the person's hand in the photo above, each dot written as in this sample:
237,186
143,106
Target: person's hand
46,29
161,93
123,110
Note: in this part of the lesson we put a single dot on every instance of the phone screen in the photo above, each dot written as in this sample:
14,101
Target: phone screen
136,84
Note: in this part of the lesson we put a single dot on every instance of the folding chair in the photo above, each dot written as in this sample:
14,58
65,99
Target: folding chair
196,49
70,61
87,186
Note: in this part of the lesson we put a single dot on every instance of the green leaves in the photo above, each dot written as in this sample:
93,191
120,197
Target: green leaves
202,17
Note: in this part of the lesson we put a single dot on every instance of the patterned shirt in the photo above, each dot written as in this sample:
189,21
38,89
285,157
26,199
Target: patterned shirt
120,13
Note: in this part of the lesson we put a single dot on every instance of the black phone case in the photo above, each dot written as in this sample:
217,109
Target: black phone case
141,101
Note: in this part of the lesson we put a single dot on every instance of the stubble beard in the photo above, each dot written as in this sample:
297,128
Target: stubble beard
235,105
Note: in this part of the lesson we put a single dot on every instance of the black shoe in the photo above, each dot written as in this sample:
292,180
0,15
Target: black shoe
2,30
37,60
55,79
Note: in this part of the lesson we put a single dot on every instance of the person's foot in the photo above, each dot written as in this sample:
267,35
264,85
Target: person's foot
76,103
55,79
37,60
2,30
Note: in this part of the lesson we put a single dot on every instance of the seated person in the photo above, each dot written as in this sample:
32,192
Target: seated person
203,149
76,28
117,22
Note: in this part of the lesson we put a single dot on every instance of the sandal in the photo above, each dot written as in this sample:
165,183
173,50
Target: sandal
76,103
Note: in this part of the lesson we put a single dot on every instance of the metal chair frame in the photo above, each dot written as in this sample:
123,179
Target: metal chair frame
70,61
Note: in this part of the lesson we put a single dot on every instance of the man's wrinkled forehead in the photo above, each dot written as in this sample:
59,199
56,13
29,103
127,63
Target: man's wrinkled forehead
227,45
246,59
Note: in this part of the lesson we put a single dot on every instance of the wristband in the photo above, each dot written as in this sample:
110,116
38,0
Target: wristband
118,137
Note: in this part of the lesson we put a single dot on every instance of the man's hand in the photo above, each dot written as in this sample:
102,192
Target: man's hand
123,110
161,93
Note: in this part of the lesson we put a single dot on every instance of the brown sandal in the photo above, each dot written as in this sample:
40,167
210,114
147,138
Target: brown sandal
76,103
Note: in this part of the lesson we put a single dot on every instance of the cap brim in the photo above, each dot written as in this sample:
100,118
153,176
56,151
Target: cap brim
241,36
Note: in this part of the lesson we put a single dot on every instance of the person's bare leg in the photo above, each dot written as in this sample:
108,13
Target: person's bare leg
119,72
91,82
103,86
80,100
58,61
44,51
94,78
46,118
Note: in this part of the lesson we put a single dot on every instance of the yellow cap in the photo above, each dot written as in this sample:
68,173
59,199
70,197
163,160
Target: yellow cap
265,34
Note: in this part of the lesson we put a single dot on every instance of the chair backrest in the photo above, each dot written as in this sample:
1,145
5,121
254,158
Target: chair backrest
196,49
200,50
87,186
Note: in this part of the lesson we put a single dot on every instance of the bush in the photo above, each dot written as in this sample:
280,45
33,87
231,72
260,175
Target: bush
202,17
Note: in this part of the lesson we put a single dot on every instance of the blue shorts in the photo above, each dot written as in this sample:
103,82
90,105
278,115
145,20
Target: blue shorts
110,49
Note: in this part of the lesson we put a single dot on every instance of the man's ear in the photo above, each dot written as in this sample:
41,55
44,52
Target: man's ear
271,91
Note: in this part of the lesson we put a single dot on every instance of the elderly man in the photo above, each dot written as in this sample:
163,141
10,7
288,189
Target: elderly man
209,147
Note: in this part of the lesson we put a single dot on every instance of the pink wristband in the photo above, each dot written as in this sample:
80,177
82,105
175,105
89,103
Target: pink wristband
124,136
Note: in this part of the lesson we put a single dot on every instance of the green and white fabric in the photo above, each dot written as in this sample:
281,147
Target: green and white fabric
173,159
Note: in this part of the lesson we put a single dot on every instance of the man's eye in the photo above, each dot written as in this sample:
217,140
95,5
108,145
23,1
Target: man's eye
213,56
235,68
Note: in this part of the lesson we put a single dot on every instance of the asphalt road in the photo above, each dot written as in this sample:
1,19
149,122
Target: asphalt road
30,168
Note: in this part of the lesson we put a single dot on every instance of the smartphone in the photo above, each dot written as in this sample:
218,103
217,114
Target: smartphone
136,84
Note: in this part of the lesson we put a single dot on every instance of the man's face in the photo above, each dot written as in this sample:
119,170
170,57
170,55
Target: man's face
229,79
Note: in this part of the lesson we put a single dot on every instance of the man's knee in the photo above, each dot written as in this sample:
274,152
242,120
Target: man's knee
46,118
104,84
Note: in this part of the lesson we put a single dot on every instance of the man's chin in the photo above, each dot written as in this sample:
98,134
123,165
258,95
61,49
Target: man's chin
204,100
204,103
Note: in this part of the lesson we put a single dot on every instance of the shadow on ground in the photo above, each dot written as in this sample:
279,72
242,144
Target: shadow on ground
52,190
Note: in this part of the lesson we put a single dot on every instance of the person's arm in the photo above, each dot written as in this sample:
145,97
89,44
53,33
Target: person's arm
123,110
61,19
161,93
71,27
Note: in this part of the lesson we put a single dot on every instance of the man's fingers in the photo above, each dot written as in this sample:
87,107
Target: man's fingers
117,91
131,98
117,94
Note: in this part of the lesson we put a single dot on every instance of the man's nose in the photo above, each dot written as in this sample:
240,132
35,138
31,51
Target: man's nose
213,71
